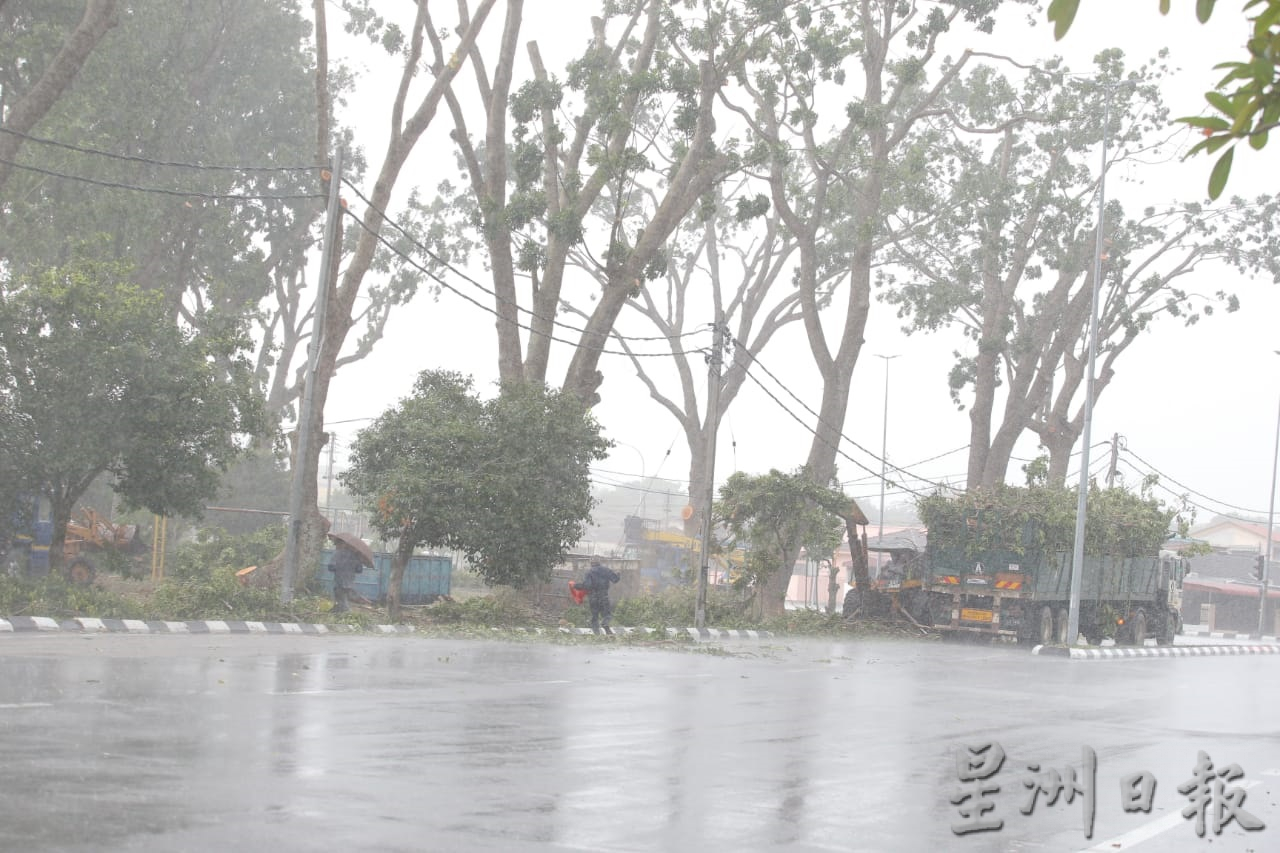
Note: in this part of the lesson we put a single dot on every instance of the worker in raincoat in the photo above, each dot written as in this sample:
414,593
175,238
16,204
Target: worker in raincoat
346,564
596,582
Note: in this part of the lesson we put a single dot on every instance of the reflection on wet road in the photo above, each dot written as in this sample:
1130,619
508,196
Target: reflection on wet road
404,743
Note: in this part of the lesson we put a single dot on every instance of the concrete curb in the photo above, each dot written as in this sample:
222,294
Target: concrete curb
83,625
691,633
1156,652
1200,631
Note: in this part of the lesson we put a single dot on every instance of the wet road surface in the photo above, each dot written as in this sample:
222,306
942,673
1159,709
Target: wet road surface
196,743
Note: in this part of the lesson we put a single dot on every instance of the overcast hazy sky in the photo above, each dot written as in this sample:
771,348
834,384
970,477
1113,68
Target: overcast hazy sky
1199,406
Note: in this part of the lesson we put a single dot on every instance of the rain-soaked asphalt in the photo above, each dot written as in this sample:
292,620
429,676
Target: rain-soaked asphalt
284,743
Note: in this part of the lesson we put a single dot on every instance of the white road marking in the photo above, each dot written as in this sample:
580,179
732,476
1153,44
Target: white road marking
1150,830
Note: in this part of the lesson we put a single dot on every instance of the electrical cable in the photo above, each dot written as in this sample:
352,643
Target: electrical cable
739,347
797,419
449,287
465,277
117,185
131,158
1151,469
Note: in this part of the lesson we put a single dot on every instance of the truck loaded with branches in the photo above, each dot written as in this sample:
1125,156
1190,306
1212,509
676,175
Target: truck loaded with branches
999,563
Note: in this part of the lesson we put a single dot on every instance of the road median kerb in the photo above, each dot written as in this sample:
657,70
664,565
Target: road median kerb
1157,651
86,625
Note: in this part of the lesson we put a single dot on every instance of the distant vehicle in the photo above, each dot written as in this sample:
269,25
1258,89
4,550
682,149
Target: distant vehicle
984,572
27,553
977,581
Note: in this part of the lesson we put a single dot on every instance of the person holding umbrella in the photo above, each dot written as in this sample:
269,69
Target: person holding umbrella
350,556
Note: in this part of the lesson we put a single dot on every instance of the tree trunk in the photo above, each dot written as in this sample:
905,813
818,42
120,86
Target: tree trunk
404,551
1059,446
99,16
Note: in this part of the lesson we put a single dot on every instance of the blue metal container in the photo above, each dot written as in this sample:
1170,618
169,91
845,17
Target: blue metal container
425,578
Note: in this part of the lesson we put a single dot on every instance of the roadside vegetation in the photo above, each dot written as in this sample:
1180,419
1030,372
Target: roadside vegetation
201,584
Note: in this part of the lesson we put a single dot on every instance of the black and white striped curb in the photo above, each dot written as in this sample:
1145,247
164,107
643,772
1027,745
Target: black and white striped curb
692,633
37,624
1158,651
22,624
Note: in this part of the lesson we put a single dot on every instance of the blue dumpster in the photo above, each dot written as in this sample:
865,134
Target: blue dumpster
426,578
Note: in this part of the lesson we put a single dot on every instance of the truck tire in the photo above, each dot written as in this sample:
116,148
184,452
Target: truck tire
1062,624
1045,630
1138,627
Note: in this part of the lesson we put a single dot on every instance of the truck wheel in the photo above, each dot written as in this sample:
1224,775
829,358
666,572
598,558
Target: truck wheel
1138,627
1047,634
852,603
1169,629
1063,621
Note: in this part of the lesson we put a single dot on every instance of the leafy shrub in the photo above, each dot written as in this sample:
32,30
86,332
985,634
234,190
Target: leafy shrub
502,608
54,597
215,549
221,596
674,607
805,622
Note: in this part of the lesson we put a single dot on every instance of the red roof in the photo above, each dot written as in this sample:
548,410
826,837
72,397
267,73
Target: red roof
1225,587
1252,526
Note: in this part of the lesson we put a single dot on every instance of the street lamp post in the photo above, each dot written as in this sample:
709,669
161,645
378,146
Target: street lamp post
644,486
1271,518
1082,498
884,446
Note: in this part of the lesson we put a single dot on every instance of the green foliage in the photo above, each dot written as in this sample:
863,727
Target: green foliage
772,516
214,550
218,595
500,609
505,481
103,380
672,607
52,596
1247,97
1025,523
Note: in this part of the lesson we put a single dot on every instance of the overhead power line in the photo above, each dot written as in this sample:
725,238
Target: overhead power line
739,347
1153,470
149,161
488,308
179,193
489,292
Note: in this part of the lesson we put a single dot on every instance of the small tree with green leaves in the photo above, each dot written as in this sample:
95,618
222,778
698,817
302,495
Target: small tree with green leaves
102,381
772,516
506,481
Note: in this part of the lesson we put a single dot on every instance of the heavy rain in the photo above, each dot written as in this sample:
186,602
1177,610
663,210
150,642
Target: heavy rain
646,425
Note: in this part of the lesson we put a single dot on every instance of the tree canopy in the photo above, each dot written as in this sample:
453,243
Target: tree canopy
504,480
771,517
101,380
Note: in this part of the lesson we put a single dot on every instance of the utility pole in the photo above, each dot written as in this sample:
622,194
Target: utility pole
328,480
712,426
884,452
1115,457
1271,519
307,412
1077,553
